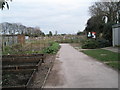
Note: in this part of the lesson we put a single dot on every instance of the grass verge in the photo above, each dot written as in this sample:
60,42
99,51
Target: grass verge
108,57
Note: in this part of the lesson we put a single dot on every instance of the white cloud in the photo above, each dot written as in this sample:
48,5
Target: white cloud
55,1
61,15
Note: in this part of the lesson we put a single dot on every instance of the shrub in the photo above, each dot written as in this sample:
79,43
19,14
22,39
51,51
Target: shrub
103,43
90,44
52,49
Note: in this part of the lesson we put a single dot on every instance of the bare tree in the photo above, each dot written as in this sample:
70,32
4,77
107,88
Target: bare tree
4,3
110,10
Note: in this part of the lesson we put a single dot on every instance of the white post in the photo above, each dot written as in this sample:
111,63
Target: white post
113,30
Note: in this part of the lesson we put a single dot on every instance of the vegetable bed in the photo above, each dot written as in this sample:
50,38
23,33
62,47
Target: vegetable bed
17,79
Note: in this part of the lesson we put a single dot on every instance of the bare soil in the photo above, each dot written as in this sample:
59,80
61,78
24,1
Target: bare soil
21,78
43,71
15,78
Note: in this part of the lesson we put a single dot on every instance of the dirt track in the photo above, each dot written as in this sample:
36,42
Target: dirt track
73,69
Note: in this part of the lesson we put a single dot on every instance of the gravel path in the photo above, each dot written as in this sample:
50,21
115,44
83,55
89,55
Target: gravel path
73,69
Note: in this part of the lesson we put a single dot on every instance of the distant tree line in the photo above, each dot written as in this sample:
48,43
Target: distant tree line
103,16
80,33
49,34
17,28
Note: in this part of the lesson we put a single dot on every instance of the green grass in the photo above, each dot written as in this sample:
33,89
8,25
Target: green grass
111,58
114,65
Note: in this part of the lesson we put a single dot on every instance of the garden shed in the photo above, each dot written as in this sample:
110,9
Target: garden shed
116,35
8,40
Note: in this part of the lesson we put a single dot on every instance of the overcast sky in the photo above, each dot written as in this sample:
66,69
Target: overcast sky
63,16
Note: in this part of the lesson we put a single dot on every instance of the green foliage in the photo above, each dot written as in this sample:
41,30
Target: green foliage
52,49
51,43
31,52
42,34
103,43
31,47
14,49
107,33
102,20
7,50
90,44
93,44
80,33
50,34
93,26
63,34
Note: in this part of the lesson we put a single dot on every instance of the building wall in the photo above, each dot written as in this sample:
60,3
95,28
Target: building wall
116,35
8,40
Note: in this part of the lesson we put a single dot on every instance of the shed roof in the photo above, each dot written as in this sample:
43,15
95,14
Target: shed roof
116,25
